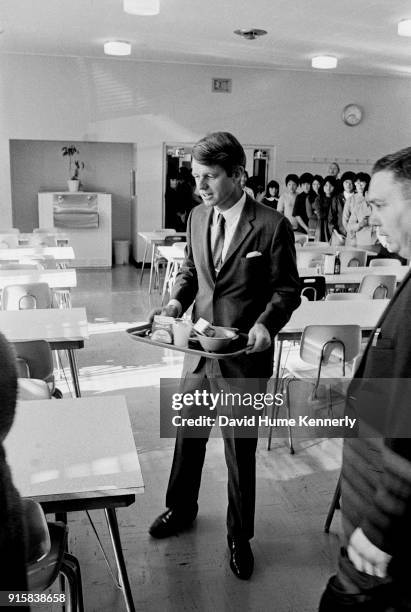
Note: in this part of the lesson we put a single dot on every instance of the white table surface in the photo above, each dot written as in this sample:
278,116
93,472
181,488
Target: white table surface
74,446
52,324
364,313
25,252
354,275
331,249
159,236
56,279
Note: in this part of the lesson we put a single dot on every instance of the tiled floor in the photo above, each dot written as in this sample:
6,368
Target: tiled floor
190,572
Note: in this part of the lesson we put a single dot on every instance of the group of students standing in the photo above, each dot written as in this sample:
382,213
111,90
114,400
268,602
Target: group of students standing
328,209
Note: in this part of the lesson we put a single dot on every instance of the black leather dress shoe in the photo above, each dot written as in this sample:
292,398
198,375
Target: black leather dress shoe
241,557
171,522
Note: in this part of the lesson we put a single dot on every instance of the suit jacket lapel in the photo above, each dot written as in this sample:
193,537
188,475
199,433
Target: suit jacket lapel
244,227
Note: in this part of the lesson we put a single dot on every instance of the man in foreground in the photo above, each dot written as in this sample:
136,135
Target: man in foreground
240,271
373,572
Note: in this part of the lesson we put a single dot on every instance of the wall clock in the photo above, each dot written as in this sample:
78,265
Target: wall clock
352,114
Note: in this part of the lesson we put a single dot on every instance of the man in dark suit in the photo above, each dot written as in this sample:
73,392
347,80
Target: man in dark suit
373,572
240,271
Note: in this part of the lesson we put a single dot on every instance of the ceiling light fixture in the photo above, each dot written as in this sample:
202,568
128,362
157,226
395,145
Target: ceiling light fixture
117,47
324,62
251,34
141,7
404,27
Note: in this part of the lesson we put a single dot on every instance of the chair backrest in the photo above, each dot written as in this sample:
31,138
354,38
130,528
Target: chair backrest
34,360
330,343
354,258
26,297
38,542
9,241
312,287
345,296
384,261
378,286
309,259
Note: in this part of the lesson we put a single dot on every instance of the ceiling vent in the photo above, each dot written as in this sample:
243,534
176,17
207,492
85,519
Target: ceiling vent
250,34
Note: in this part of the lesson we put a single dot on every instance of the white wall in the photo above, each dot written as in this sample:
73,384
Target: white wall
147,103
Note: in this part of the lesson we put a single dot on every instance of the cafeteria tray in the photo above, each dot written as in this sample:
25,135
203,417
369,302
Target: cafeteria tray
237,347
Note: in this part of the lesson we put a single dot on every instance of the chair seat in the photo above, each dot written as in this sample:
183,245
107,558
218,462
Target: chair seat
32,389
299,368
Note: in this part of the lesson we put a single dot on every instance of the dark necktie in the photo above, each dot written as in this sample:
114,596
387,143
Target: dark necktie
219,242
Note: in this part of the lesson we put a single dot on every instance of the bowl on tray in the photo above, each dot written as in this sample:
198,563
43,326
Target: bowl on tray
220,341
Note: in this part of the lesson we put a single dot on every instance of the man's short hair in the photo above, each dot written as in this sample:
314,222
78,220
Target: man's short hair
398,163
220,149
291,177
306,177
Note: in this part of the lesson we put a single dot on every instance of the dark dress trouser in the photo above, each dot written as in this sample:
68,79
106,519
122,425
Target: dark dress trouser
189,454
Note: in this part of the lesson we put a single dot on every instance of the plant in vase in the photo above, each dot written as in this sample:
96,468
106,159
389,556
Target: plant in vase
75,165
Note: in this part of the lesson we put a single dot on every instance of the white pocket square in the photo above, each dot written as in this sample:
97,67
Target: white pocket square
253,254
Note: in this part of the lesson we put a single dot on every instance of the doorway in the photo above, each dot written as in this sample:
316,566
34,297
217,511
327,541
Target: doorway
261,165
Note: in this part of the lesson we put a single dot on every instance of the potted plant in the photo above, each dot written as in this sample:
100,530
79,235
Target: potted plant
75,165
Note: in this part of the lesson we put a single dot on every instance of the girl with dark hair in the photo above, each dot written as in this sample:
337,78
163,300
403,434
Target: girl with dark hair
321,207
335,215
271,195
356,215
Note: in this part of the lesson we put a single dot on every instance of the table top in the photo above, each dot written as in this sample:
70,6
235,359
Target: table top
53,324
364,313
78,451
25,252
331,249
159,236
56,279
354,275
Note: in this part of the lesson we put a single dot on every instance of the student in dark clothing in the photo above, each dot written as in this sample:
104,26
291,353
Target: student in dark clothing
271,195
321,207
300,211
12,537
335,214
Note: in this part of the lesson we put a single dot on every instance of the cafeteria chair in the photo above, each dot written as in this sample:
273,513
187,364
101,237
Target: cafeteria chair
9,241
354,258
345,295
34,360
378,286
47,556
160,263
309,259
385,261
326,351
26,296
312,287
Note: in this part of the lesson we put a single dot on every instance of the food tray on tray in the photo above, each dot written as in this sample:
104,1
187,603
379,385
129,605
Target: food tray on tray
237,346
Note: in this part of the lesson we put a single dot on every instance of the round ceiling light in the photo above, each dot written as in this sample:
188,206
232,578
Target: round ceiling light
141,7
404,27
117,47
324,62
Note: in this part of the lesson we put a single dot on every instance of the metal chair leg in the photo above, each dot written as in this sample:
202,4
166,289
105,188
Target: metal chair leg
335,504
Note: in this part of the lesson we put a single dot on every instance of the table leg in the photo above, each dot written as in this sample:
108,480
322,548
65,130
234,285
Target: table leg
276,385
144,262
166,280
118,554
153,250
74,371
